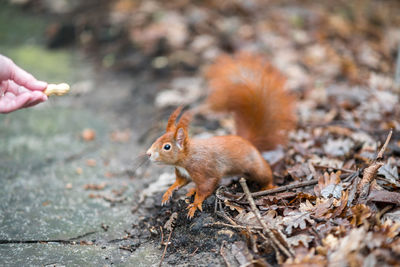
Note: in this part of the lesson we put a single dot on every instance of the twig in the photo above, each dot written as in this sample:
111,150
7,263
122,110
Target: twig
162,235
252,240
232,226
380,154
262,223
371,171
194,252
290,186
284,188
165,249
222,252
128,248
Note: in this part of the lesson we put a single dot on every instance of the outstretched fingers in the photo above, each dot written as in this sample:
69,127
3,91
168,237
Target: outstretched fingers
10,71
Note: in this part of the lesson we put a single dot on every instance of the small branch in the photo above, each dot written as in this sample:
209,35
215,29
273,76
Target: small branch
259,219
194,252
165,249
162,236
284,188
380,154
252,240
222,252
371,171
232,226
290,186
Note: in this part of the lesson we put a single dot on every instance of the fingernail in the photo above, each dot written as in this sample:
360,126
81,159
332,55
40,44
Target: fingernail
40,85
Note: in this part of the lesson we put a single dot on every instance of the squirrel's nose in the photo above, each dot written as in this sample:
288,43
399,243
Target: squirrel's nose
148,153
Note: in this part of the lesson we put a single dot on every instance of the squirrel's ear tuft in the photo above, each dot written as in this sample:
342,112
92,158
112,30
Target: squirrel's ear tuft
180,137
172,118
185,120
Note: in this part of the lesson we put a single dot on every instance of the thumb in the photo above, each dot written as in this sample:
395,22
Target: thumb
10,71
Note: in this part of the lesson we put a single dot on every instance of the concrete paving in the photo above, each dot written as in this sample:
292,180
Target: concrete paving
55,186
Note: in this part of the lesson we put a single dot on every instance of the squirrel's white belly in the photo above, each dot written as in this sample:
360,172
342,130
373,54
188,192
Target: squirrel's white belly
183,172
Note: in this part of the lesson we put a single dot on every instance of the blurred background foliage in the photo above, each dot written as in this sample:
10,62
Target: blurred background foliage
348,38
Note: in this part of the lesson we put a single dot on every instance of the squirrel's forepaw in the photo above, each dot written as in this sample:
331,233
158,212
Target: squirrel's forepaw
166,197
192,209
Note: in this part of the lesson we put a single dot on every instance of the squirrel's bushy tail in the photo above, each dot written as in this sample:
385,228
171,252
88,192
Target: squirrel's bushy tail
255,93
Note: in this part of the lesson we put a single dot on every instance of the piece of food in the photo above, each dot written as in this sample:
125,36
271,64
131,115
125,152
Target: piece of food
57,89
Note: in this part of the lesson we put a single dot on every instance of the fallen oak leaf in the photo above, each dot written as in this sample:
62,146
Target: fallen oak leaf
323,208
309,259
343,204
360,213
393,215
170,224
296,219
233,206
354,241
338,147
300,239
329,185
275,199
390,173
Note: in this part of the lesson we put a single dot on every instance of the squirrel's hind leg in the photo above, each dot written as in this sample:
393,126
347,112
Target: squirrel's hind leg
203,190
262,174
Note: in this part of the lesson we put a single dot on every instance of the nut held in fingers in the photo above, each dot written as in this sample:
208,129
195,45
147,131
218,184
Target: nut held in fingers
56,89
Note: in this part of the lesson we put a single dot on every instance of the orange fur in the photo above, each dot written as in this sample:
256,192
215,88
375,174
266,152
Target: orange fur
254,92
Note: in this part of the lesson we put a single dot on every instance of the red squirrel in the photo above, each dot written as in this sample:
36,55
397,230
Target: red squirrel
253,91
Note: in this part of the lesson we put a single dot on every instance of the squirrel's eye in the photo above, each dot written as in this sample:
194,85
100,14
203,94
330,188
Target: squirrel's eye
167,147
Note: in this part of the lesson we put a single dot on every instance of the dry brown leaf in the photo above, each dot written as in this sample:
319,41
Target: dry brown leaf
121,136
88,134
100,186
329,185
170,223
300,239
307,260
360,213
296,219
390,173
323,208
343,204
91,162
234,206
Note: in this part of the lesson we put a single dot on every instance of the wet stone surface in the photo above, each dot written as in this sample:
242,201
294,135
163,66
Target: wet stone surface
68,201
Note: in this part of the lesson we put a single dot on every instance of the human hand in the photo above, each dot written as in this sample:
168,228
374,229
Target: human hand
18,88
